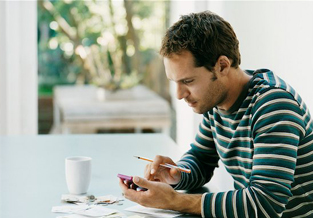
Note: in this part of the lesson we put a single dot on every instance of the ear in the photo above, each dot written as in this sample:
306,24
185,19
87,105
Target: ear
223,65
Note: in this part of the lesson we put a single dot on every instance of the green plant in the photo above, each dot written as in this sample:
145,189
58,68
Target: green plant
106,43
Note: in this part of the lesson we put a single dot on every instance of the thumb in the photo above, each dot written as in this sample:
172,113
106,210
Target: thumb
144,183
176,175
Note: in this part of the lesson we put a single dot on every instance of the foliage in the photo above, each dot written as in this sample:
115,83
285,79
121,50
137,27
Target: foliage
106,43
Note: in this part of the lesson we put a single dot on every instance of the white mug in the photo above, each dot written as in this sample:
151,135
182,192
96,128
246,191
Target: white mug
78,173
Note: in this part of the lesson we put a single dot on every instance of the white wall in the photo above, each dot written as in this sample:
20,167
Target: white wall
276,35
18,67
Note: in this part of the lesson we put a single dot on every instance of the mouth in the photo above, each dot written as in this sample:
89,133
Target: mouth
191,104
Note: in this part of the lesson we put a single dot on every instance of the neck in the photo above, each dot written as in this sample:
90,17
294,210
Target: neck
237,79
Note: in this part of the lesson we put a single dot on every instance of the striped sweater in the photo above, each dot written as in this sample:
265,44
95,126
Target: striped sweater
266,144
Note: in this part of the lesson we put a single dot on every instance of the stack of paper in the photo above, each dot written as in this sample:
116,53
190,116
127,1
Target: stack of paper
84,208
160,213
83,211
88,207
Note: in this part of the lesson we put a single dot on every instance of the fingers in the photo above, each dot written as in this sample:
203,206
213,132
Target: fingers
144,183
135,194
123,186
157,195
152,169
155,172
128,184
156,163
128,192
158,160
147,172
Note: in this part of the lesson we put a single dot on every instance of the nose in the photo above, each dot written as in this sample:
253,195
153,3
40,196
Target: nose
182,92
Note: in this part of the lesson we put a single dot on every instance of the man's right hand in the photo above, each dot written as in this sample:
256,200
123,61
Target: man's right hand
155,172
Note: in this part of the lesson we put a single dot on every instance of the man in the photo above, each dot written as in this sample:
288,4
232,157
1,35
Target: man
252,120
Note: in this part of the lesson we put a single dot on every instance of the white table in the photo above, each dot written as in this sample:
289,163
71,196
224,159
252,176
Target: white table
32,174
86,108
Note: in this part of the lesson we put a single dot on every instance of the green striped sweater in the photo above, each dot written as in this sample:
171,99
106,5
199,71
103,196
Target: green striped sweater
266,144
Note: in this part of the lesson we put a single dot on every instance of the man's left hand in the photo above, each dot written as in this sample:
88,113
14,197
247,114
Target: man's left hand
158,195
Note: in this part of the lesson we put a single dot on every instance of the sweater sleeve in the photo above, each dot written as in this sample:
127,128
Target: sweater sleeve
276,128
201,159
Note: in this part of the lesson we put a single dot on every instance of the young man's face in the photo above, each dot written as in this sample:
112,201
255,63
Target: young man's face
200,88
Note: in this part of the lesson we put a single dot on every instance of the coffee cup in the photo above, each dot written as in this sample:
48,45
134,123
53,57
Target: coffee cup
77,173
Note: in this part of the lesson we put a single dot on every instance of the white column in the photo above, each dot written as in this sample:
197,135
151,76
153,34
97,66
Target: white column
18,67
2,70
186,120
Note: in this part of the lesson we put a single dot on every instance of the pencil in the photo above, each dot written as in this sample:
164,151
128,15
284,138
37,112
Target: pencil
166,165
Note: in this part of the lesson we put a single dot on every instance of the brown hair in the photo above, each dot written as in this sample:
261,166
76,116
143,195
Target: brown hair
206,35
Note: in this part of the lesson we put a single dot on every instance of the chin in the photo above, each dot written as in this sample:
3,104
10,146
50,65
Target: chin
197,111
201,110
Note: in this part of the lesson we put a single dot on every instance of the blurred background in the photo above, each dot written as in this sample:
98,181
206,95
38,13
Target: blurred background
111,45
80,67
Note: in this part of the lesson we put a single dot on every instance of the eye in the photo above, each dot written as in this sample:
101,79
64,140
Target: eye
187,81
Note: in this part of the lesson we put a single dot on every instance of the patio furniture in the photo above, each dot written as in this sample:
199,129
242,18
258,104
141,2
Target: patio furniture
86,109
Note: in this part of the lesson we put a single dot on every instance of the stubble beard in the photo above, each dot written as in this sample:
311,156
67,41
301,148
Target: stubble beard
222,95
